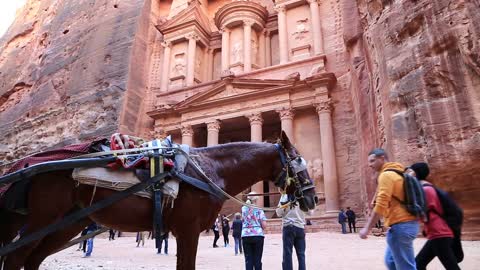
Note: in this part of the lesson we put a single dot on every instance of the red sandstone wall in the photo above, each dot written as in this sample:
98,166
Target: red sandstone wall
423,64
66,71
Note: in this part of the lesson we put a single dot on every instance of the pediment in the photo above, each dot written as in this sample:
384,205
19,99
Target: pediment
232,90
192,14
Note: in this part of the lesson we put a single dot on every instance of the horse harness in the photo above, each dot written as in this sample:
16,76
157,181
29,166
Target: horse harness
289,175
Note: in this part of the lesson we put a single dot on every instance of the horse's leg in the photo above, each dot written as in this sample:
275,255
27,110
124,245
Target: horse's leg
187,243
52,243
50,198
10,225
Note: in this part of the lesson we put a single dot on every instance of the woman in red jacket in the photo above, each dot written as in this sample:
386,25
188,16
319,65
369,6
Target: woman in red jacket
439,235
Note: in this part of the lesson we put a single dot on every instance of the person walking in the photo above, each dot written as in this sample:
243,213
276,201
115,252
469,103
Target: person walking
440,236
342,219
216,229
254,223
91,228
140,238
237,233
351,219
293,232
404,226
83,245
111,234
225,230
163,239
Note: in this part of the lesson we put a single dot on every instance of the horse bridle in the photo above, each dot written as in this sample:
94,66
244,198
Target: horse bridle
295,165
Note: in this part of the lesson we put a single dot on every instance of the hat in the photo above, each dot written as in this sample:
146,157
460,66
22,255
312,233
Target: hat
251,196
421,170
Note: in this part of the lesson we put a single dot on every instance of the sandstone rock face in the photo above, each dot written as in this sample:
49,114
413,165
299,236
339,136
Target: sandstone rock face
65,73
417,70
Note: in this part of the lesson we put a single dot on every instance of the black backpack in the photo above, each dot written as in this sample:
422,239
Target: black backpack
414,196
453,216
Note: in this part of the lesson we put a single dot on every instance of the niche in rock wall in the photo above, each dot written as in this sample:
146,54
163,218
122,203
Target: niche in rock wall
178,66
200,66
299,32
236,50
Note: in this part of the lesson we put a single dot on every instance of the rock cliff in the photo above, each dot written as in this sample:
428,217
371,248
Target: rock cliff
65,73
417,69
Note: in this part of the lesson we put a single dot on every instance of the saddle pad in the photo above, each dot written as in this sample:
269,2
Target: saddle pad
112,179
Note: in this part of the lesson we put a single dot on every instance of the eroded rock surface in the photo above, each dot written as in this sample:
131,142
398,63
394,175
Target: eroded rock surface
423,67
64,72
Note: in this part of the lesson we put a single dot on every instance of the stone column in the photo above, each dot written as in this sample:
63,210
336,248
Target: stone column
213,128
247,45
328,155
256,122
261,49
205,65
282,33
192,48
286,118
225,48
187,134
268,49
166,65
316,27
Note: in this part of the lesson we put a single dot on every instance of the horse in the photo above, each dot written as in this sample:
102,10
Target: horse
234,167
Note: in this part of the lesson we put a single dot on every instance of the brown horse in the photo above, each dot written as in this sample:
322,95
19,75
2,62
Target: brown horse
234,167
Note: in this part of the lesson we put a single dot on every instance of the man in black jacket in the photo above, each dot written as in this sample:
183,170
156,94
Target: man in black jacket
351,219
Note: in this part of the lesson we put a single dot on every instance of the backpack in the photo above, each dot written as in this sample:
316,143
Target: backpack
414,196
453,216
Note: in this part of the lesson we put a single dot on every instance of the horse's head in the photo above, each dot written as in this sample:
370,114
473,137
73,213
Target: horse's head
293,177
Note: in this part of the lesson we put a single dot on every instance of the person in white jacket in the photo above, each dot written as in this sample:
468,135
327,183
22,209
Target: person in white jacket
293,233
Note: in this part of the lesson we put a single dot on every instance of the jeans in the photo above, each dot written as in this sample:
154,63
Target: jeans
400,254
351,223
293,237
253,251
159,250
215,239
89,246
238,245
344,227
441,248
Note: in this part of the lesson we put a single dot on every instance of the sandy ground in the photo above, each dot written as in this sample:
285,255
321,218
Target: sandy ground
324,251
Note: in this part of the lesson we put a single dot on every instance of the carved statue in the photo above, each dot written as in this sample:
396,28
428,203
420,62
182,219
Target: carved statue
254,50
179,65
237,52
301,29
315,169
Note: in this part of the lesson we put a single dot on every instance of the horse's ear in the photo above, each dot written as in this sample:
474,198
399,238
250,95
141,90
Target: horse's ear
285,141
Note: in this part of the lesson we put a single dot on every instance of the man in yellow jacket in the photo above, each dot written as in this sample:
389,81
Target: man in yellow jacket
404,227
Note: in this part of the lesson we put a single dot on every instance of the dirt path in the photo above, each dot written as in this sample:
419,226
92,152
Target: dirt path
324,251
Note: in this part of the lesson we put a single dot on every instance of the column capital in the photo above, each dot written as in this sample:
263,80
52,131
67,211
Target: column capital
186,130
313,1
166,43
286,114
213,125
280,9
324,106
255,118
192,36
248,23
224,29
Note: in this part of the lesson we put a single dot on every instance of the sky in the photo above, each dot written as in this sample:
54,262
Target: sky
7,13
